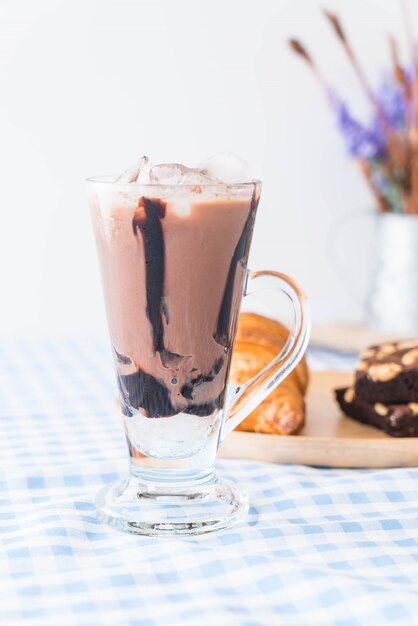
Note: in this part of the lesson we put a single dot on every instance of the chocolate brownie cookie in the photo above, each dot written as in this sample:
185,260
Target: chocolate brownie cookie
388,373
398,420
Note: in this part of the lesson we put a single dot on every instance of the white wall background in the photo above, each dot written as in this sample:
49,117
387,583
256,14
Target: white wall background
88,85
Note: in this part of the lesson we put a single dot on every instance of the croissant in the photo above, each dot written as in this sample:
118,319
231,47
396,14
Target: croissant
258,340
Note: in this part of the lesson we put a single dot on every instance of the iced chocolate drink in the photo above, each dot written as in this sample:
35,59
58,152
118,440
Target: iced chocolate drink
173,256
173,248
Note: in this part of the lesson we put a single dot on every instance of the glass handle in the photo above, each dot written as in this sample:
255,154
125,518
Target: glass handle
249,395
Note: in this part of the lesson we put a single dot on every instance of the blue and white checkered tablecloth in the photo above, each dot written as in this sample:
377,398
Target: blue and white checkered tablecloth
319,547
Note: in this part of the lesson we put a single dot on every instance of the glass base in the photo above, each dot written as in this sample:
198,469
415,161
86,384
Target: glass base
148,507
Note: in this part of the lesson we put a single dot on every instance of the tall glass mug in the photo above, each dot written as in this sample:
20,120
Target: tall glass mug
174,267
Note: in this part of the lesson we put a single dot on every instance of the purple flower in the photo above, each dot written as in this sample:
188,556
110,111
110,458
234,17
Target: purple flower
389,96
362,142
367,141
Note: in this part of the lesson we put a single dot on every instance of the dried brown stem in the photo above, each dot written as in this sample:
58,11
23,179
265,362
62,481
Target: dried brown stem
401,78
336,25
407,19
410,197
365,170
413,103
297,47
412,204
301,51
398,71
397,153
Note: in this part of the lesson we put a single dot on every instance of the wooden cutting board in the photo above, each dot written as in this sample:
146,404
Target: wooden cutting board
328,439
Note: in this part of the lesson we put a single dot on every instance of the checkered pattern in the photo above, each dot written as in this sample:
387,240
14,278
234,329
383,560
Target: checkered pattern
320,547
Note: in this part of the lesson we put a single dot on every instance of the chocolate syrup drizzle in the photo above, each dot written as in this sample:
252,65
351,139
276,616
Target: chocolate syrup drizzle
187,389
240,256
140,389
151,230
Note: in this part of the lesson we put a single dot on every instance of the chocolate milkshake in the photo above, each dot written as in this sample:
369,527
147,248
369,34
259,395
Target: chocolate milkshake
173,260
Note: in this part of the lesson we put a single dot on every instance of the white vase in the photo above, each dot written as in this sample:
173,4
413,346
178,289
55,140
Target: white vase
392,305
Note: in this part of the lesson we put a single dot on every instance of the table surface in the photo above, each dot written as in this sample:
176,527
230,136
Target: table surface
319,547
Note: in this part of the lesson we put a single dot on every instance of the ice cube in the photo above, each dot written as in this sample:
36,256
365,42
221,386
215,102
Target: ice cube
167,173
227,168
197,178
137,173
178,174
